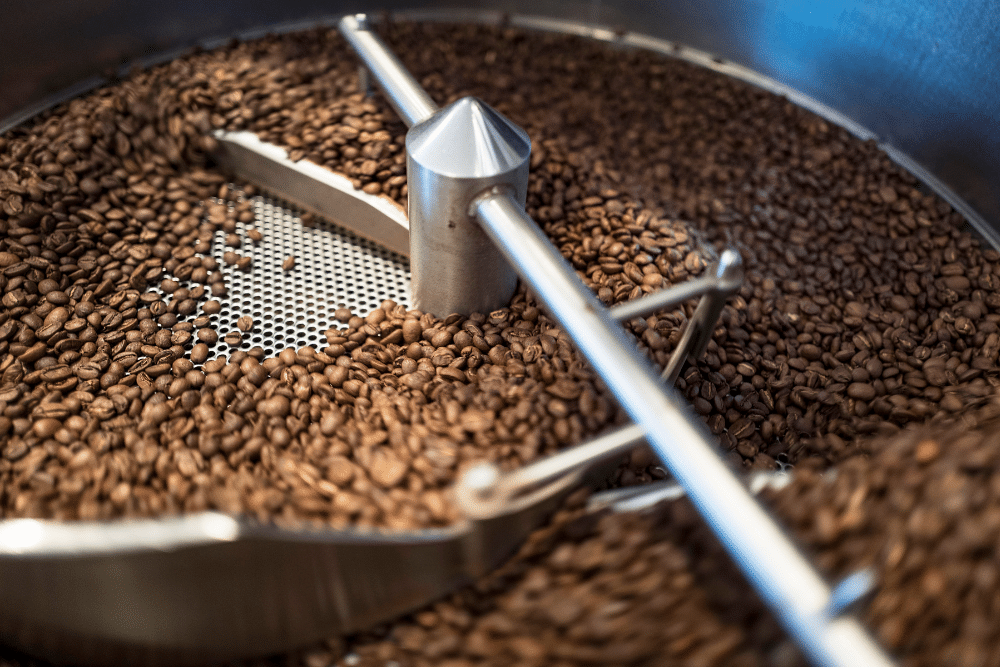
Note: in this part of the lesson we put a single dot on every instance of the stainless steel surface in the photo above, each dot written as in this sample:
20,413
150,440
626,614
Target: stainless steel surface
921,77
913,73
294,308
778,571
644,496
851,591
579,460
725,277
406,96
451,158
452,155
178,585
315,189
208,588
504,508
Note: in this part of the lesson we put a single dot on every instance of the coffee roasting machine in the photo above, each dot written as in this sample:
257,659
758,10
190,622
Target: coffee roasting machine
922,80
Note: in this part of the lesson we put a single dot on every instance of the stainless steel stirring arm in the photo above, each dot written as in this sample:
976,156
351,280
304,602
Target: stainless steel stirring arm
779,572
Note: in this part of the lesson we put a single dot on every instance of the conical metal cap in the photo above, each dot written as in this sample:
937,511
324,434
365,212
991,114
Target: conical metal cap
451,158
468,139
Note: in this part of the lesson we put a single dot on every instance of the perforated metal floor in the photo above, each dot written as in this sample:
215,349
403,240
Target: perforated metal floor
333,268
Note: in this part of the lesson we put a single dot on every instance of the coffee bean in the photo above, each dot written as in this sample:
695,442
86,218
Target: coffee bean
861,391
245,323
255,235
46,428
276,406
207,336
288,263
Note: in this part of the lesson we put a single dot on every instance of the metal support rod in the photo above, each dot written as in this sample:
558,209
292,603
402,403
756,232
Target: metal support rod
583,457
724,278
728,274
452,155
778,571
722,281
663,299
406,96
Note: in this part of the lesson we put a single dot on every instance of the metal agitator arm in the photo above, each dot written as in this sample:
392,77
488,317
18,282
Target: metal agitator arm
467,169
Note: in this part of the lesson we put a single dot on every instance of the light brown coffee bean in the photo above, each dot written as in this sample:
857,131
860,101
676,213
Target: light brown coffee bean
276,406
207,336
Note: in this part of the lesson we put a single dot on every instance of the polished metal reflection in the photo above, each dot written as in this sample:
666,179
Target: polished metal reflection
728,278
406,96
782,576
208,588
452,155
927,87
451,158
921,77
314,188
722,281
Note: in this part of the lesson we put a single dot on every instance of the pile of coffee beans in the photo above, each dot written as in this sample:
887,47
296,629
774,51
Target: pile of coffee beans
857,276
109,403
868,304
657,589
607,589
922,512
868,307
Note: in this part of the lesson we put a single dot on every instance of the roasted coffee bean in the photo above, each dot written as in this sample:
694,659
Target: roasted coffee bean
288,263
208,336
861,391
245,323
276,406
199,353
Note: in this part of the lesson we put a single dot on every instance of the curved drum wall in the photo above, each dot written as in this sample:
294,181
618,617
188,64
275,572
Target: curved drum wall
923,77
